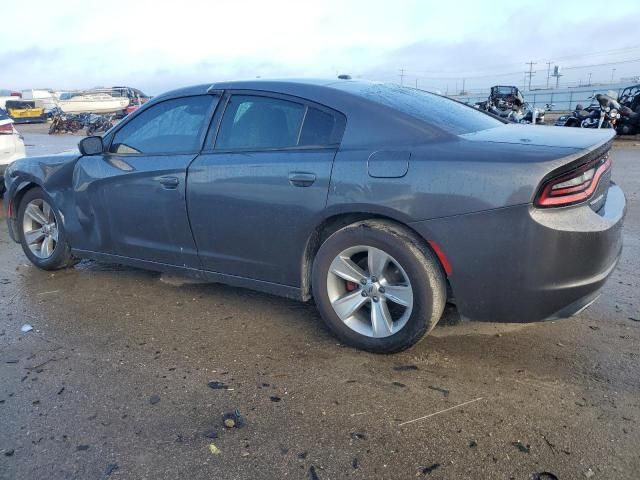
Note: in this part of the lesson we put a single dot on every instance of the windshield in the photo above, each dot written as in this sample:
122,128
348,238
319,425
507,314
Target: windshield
504,90
443,113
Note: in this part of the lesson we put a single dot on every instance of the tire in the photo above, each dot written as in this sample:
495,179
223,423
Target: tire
90,131
60,256
53,128
410,262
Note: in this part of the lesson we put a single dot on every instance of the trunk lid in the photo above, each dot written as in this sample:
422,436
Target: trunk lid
563,137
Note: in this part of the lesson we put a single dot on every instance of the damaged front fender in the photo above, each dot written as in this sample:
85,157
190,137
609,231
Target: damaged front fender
51,173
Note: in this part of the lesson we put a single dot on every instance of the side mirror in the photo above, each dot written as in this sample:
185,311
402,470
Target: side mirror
91,146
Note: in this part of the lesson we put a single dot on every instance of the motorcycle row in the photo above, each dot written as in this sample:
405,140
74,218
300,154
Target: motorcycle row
623,113
605,111
72,123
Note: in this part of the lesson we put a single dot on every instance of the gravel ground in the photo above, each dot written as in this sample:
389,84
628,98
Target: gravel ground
113,381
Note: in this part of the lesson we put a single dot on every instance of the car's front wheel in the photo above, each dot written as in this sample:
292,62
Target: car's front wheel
41,232
378,286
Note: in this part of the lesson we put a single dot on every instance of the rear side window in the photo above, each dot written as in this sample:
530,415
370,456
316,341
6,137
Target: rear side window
321,128
252,122
173,126
440,112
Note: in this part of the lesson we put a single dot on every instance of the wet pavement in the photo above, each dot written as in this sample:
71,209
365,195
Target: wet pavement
113,382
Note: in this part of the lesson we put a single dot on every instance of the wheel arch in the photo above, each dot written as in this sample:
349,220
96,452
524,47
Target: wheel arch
23,186
329,225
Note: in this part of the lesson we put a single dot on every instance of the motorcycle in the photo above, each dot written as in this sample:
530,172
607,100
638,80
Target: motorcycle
607,115
98,123
604,113
63,122
629,122
575,118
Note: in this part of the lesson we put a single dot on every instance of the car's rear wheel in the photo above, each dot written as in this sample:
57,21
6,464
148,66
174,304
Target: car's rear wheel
378,286
41,232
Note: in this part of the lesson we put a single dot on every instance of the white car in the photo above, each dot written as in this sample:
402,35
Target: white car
11,145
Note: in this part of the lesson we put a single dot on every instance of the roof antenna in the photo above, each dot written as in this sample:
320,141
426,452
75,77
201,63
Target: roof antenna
344,77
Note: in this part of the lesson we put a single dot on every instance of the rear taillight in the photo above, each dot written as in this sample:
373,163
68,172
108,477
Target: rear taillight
575,186
6,129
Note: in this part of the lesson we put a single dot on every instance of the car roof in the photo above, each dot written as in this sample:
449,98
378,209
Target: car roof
330,92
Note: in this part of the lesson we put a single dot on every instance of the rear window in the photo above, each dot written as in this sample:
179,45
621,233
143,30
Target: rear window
443,113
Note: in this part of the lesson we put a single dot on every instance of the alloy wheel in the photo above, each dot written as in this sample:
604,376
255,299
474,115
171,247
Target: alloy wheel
40,228
370,291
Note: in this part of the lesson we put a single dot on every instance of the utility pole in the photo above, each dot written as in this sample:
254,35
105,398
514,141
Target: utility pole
557,74
416,83
613,71
463,92
402,75
548,72
589,78
531,72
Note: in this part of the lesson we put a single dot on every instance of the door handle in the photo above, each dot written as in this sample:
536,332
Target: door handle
169,182
301,179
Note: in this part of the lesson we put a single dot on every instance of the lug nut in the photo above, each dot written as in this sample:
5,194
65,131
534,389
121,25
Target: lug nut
363,281
374,279
375,299
381,289
364,294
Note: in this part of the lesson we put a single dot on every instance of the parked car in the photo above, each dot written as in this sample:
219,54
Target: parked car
11,145
507,102
379,202
136,98
6,95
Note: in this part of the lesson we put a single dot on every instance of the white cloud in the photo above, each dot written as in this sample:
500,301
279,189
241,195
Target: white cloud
159,45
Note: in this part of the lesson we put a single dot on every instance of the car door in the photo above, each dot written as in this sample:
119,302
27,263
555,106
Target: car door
256,191
131,200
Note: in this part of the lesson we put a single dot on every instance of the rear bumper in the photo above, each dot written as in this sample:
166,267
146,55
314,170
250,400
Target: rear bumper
523,264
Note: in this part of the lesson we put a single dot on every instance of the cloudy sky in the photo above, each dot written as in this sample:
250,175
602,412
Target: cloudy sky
162,45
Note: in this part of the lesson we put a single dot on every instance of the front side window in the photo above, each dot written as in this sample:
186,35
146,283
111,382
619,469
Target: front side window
173,126
252,122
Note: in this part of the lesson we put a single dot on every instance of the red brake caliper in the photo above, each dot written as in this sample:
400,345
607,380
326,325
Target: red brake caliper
351,286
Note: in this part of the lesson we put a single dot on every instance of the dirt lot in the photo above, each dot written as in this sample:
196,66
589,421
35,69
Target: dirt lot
113,381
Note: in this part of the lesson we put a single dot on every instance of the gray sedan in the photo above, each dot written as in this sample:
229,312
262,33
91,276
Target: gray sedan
379,202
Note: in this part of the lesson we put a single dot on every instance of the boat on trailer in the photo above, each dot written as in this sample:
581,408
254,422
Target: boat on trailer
91,102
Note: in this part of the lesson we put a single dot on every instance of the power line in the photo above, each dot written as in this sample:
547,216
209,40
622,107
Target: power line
519,72
463,73
603,64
